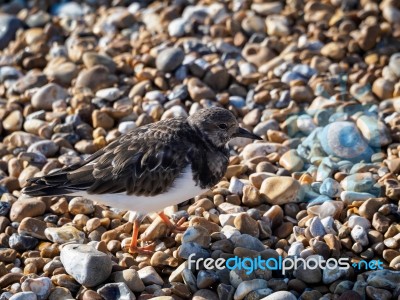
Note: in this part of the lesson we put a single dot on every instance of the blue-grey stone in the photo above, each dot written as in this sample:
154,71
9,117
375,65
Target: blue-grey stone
330,188
343,140
237,101
249,242
68,9
22,243
8,27
318,200
304,70
187,249
289,76
116,291
360,182
9,73
169,59
4,208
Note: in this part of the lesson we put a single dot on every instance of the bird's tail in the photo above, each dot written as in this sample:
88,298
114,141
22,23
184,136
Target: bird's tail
39,190
49,185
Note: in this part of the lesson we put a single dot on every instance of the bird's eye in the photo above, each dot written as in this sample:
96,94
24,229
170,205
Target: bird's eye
223,126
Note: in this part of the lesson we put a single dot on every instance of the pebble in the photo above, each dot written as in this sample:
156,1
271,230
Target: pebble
281,295
22,243
24,296
47,95
149,276
246,287
23,208
169,59
116,291
10,25
280,190
131,278
85,264
343,139
65,234
246,224
41,286
308,275
291,161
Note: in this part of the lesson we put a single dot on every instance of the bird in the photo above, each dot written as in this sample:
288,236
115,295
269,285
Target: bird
151,167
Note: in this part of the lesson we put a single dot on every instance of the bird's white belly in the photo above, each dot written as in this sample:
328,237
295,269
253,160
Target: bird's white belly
183,189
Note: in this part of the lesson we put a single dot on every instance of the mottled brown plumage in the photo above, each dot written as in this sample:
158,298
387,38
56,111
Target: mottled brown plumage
147,160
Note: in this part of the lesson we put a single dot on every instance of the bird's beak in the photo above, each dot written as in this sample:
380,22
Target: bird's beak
246,134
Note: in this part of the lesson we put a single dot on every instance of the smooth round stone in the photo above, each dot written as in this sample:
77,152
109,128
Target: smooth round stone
360,182
290,76
281,190
277,25
9,73
249,242
91,59
374,131
116,291
47,95
131,278
237,101
22,243
13,122
281,295
394,64
343,140
24,296
359,235
316,227
246,224
40,286
47,148
386,279
80,205
150,276
110,94
266,9
9,26
350,197
4,208
32,227
65,234
169,59
23,208
206,278
355,220
246,287
68,10
125,127
291,161
178,27
305,124
330,188
186,249
306,274
198,235
330,275
87,265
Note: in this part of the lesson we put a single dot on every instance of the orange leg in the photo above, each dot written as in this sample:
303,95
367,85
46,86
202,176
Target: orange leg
133,248
174,227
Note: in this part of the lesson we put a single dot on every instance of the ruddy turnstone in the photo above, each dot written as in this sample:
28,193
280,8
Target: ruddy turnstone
151,167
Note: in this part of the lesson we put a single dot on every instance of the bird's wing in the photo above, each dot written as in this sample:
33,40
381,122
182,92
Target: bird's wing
145,161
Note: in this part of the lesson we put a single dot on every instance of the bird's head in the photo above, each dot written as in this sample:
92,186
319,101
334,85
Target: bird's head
219,125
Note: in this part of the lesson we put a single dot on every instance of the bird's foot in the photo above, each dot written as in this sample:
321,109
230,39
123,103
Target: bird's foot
175,228
144,250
